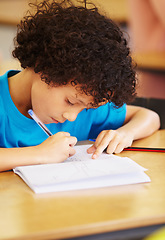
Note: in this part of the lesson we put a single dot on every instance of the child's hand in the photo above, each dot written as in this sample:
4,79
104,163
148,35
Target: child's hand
114,140
56,148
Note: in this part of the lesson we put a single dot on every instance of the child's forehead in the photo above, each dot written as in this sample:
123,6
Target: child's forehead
78,93
85,97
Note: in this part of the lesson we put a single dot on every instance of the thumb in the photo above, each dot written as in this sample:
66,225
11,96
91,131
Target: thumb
72,141
66,134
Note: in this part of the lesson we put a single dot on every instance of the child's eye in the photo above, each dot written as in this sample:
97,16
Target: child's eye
68,102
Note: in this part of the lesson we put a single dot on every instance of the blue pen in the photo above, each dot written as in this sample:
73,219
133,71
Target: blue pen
38,121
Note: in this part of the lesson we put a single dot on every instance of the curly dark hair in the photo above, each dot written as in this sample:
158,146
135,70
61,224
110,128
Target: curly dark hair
74,43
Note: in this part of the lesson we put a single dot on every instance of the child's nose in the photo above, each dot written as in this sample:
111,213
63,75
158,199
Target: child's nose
70,116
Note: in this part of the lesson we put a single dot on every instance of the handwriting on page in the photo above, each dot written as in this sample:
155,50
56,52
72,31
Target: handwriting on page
81,154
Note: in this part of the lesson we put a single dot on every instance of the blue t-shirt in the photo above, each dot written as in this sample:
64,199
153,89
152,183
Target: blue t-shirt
16,130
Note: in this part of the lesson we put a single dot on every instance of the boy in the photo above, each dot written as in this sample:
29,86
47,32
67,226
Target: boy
77,77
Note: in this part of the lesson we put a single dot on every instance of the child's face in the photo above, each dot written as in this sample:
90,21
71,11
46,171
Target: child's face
57,104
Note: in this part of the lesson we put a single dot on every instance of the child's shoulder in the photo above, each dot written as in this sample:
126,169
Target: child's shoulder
5,97
9,73
107,112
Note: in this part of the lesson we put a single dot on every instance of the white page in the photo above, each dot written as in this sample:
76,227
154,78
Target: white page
104,181
80,171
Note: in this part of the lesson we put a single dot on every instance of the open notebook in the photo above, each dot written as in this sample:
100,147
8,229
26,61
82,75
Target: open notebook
82,172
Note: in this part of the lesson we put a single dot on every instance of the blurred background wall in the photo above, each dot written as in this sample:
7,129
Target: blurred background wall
11,11
143,22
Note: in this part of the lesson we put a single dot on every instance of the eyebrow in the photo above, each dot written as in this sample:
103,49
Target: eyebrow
88,105
81,101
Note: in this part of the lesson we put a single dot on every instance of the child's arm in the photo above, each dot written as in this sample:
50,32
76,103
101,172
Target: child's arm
56,148
139,123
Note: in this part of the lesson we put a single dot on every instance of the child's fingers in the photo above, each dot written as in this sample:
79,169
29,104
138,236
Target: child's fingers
63,134
72,141
72,151
119,148
100,148
112,141
107,139
122,145
66,134
113,145
92,149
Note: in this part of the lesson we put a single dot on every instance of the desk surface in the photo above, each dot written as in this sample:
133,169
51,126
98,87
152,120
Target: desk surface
25,215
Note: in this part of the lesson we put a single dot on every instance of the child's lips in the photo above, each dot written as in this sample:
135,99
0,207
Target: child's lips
55,121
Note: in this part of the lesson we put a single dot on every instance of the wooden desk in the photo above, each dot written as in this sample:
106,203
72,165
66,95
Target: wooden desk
25,215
